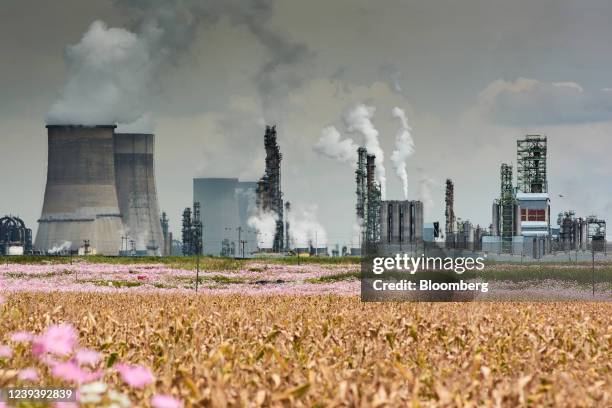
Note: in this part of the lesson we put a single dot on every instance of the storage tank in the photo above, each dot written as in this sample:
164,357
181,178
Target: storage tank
137,192
80,201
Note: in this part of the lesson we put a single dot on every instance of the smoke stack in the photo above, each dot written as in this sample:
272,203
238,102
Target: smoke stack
80,197
136,191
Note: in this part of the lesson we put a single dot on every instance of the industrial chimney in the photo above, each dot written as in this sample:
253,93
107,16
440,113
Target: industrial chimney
80,197
136,191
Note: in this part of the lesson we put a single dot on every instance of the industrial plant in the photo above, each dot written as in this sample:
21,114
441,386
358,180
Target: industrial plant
15,237
100,194
101,198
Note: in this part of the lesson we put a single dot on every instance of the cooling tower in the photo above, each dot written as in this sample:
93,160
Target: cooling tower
80,197
135,179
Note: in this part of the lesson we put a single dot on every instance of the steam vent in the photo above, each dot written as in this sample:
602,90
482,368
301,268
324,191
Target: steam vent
80,208
135,178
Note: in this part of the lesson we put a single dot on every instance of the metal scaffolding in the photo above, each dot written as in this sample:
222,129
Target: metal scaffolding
506,207
531,164
269,193
449,213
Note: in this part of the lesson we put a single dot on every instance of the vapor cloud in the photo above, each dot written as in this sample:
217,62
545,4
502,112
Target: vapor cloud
305,228
404,148
109,78
332,145
359,120
113,72
265,224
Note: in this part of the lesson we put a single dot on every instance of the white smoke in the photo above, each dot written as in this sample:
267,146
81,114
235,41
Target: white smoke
404,148
425,186
305,229
113,73
110,73
265,224
359,119
332,145
60,249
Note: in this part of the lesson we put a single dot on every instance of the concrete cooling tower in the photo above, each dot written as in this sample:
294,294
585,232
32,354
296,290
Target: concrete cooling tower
80,201
135,180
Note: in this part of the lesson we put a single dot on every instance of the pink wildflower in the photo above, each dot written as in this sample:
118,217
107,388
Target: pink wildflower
142,277
6,352
22,337
87,357
58,339
28,374
70,371
165,401
135,376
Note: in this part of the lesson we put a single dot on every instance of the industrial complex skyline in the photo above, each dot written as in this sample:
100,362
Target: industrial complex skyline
470,78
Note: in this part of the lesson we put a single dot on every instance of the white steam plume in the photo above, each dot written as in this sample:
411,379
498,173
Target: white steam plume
305,229
404,148
332,145
60,249
359,119
265,224
425,186
110,72
113,73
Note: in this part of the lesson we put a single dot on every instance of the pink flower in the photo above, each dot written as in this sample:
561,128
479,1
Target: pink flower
58,339
142,277
6,352
28,374
22,337
70,371
87,357
135,376
165,401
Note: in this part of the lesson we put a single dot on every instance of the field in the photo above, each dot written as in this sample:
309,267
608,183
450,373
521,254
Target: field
256,335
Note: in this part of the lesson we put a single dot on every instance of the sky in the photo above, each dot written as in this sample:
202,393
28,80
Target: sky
472,77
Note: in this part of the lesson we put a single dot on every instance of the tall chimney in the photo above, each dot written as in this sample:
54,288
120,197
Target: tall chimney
136,191
80,201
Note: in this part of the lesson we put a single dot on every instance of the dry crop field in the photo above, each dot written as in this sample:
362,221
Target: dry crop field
169,349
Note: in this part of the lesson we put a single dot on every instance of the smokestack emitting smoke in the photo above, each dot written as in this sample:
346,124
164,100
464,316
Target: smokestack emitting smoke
113,72
404,147
359,119
331,145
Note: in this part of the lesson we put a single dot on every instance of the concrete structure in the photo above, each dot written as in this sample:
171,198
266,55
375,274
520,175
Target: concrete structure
136,191
80,201
226,205
401,225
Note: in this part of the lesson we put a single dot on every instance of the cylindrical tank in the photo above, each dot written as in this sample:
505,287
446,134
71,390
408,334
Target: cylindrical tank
136,191
80,201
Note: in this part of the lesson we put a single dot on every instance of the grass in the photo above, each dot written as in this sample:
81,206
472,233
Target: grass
113,283
335,278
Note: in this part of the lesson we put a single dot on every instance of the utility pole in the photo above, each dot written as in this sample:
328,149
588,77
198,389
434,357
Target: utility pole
316,244
593,268
197,270
240,240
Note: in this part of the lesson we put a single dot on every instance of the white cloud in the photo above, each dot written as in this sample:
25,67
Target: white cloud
531,102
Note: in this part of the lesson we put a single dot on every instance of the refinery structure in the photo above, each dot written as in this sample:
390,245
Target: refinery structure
101,198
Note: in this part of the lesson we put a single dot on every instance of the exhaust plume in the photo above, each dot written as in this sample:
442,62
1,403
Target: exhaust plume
404,148
305,228
265,224
331,145
113,72
359,119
